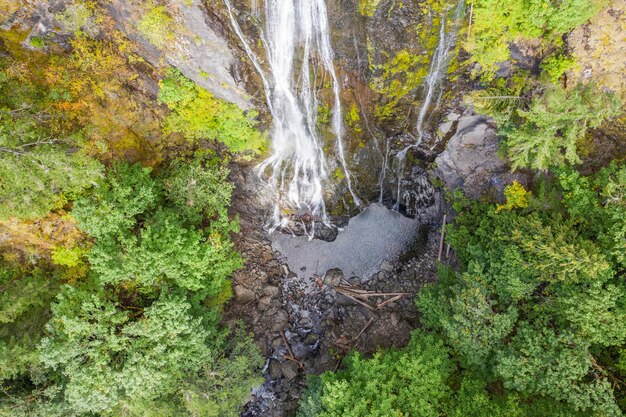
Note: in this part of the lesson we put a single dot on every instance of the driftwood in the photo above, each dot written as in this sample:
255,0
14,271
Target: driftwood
355,341
289,357
389,301
443,235
361,296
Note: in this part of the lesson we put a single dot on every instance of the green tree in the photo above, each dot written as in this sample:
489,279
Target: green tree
24,310
165,252
411,382
198,189
472,320
598,204
538,308
145,247
539,361
113,207
550,130
107,357
39,171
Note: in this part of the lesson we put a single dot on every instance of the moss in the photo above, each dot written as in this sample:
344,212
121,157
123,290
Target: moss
36,42
79,17
353,119
8,7
368,7
323,115
399,77
338,174
157,26
13,40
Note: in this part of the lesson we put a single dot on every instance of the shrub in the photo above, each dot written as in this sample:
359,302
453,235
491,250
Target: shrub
497,23
411,382
157,26
198,114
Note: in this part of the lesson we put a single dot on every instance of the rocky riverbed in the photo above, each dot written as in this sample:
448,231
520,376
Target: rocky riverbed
306,320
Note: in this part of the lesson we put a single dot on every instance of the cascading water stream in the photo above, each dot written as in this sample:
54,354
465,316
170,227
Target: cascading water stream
296,32
433,85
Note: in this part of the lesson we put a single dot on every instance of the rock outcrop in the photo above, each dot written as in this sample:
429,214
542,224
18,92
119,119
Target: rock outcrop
197,48
471,161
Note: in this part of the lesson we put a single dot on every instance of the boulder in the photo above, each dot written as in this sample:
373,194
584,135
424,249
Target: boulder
243,295
333,277
281,319
271,291
471,161
275,369
264,303
289,370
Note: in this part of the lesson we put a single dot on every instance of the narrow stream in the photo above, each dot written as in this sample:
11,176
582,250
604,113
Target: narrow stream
433,84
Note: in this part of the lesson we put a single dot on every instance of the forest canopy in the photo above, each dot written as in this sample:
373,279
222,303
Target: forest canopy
120,241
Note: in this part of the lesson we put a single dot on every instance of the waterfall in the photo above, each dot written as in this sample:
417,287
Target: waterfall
439,67
296,32
433,84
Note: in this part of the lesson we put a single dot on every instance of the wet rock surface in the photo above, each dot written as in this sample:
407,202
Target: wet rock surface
305,321
198,49
470,160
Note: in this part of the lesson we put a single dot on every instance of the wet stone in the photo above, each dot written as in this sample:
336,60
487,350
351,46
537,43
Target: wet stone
386,266
243,295
281,319
311,338
277,342
289,370
333,277
275,369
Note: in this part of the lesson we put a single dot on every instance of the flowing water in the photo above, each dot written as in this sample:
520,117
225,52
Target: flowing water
433,86
296,40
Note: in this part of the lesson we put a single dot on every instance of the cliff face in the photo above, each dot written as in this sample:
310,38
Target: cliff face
383,51
197,48
191,42
383,54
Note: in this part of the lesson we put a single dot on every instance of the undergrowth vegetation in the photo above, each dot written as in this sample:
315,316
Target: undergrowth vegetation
116,250
116,243
198,114
497,23
531,325
531,322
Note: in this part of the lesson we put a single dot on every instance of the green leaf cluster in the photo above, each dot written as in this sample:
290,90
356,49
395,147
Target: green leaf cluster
498,23
198,114
541,293
140,336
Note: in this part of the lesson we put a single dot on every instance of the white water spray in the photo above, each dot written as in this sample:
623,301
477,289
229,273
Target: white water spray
433,84
296,32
